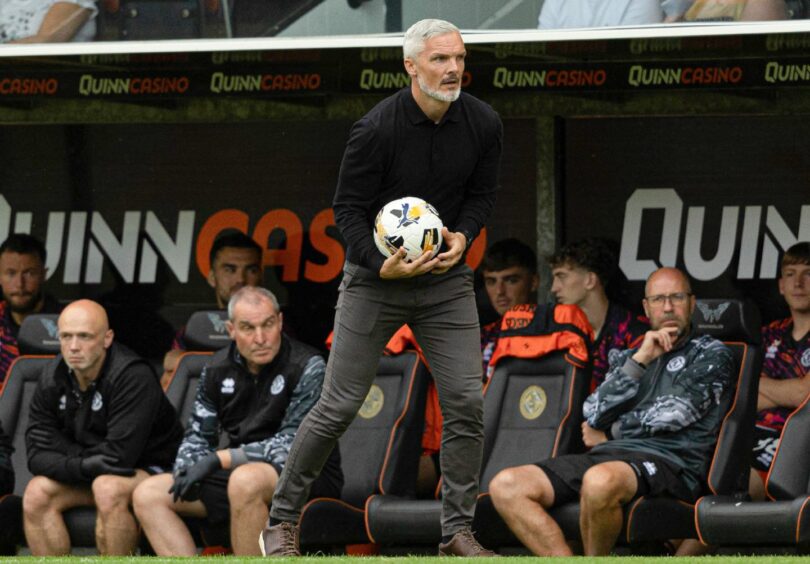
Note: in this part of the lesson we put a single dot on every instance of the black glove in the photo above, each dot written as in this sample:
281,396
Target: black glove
186,481
98,464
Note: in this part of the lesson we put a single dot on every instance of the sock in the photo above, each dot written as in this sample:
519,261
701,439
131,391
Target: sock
273,522
447,538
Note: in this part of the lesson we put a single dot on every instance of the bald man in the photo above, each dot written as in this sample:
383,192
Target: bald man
99,425
651,425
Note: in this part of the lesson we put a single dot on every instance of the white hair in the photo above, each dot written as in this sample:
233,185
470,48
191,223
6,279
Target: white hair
421,31
253,295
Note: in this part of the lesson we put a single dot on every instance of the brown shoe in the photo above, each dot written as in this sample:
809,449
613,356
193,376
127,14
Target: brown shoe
280,540
463,543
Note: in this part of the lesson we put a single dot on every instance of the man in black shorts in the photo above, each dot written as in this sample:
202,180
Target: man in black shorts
257,392
651,425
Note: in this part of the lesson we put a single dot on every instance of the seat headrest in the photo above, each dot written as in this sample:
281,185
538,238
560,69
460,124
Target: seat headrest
728,319
39,334
206,331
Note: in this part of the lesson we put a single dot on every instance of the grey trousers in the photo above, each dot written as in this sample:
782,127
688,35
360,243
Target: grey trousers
441,311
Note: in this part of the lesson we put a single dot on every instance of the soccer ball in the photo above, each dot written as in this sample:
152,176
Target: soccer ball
411,223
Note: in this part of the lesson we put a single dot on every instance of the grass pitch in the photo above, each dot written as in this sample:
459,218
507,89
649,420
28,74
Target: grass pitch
416,560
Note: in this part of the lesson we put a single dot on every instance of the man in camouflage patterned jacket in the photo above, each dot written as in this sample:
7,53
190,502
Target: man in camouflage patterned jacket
255,393
651,425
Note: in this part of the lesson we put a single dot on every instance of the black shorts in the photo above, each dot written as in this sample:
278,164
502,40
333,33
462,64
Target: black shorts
154,469
655,475
214,494
766,441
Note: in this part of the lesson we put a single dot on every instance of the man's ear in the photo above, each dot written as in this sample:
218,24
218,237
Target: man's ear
230,327
410,67
535,282
212,281
108,338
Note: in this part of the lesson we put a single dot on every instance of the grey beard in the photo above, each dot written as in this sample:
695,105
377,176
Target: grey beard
437,95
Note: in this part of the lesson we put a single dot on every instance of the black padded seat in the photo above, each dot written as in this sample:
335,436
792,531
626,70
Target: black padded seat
206,331
182,388
39,334
15,401
380,453
724,520
532,411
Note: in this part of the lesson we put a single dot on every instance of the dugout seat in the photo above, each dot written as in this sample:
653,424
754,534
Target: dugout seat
182,388
654,519
39,343
380,454
15,398
532,410
39,335
733,521
206,331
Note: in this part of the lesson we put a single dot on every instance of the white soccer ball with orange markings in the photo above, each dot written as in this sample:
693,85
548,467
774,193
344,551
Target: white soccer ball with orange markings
411,223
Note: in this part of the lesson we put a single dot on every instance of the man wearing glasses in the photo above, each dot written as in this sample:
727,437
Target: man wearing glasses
651,425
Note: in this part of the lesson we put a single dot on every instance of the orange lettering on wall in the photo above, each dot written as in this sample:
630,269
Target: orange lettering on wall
213,226
288,258
476,252
327,246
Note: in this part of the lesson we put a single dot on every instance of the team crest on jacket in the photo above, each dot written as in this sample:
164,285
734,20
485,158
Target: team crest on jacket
806,358
277,385
62,403
98,402
676,364
228,386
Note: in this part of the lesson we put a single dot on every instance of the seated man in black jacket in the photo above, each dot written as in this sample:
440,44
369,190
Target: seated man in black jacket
99,425
257,391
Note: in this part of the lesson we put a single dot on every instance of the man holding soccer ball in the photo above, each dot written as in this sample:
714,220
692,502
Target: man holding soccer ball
430,141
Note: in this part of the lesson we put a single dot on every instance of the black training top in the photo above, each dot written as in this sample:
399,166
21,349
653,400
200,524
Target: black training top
396,150
123,414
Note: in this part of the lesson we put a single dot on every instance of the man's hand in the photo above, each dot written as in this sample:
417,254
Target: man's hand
655,344
186,481
592,437
456,245
396,266
99,464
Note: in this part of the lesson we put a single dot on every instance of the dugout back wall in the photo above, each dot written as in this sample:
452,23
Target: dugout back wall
685,150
